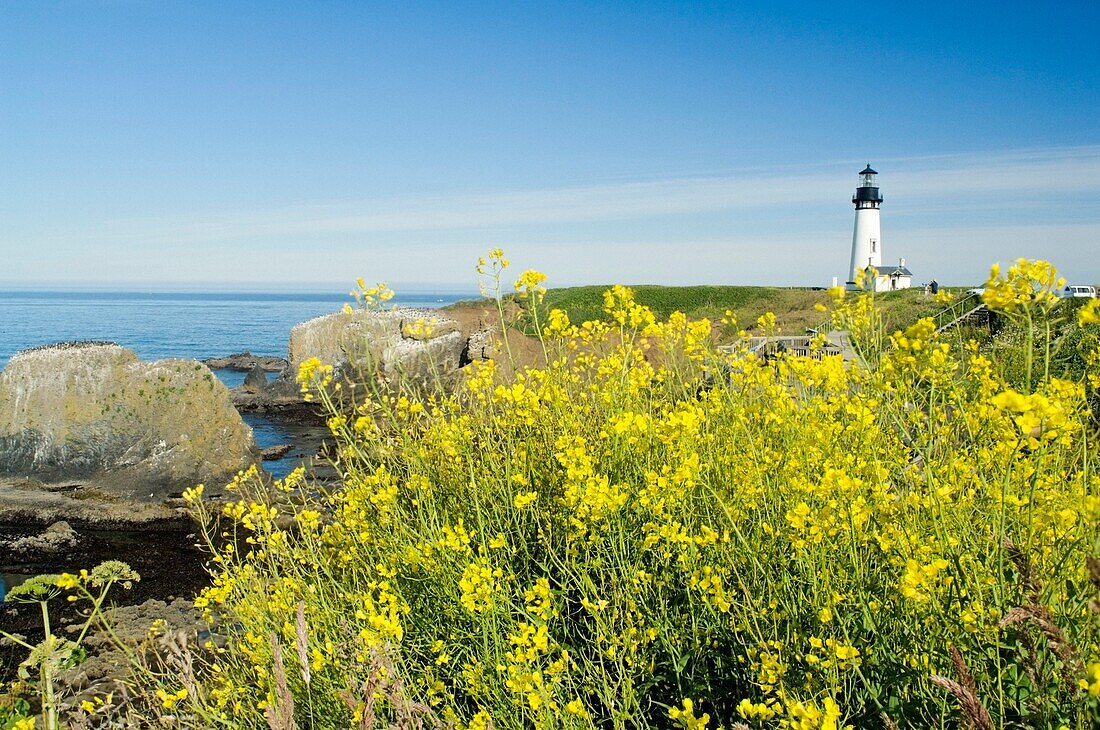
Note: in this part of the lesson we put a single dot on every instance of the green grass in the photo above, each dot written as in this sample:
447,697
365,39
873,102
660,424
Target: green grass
792,306
586,302
902,308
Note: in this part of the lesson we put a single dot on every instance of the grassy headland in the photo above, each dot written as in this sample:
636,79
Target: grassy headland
795,308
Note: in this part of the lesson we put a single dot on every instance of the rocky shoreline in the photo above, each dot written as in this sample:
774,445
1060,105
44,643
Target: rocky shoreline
246,361
85,425
165,554
96,446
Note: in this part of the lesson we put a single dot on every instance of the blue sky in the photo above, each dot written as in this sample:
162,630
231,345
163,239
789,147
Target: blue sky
161,144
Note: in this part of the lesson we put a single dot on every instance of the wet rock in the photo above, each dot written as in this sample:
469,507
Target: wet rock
27,502
55,538
271,453
245,361
133,430
255,381
166,555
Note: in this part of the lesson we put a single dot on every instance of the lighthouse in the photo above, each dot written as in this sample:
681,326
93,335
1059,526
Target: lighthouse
867,241
867,236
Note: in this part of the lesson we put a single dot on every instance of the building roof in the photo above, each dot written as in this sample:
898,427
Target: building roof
893,271
867,170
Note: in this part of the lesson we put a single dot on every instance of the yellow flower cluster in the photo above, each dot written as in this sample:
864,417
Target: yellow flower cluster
313,375
529,284
622,308
419,329
1090,313
371,298
918,354
920,582
1041,416
1091,682
588,497
684,716
478,584
644,522
1028,285
808,716
558,324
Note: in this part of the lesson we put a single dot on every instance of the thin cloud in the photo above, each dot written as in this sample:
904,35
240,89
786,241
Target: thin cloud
954,255
1030,177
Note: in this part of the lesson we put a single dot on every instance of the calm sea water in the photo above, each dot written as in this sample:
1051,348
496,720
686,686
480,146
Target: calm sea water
186,324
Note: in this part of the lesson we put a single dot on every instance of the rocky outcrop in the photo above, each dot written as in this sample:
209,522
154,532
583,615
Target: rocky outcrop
94,414
274,453
422,348
245,361
255,381
25,503
417,347
179,635
58,537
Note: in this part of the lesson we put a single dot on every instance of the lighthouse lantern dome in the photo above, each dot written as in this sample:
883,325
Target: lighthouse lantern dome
867,178
867,194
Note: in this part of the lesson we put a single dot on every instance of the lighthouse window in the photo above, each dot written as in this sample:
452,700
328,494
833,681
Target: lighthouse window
874,245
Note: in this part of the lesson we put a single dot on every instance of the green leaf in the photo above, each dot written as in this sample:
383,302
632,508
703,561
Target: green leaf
34,590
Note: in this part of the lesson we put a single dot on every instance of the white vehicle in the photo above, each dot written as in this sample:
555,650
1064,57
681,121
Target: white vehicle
1077,291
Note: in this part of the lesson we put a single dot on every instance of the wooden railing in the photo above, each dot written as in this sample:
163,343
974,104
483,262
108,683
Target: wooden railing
959,312
836,343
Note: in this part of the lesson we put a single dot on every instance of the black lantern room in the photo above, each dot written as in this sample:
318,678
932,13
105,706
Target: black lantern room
867,194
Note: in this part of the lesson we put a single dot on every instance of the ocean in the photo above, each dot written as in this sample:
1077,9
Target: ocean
173,324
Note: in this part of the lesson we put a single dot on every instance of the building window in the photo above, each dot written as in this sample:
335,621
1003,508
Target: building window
874,245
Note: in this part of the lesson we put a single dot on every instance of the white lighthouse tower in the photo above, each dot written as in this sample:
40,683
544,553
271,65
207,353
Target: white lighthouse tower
867,237
867,241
